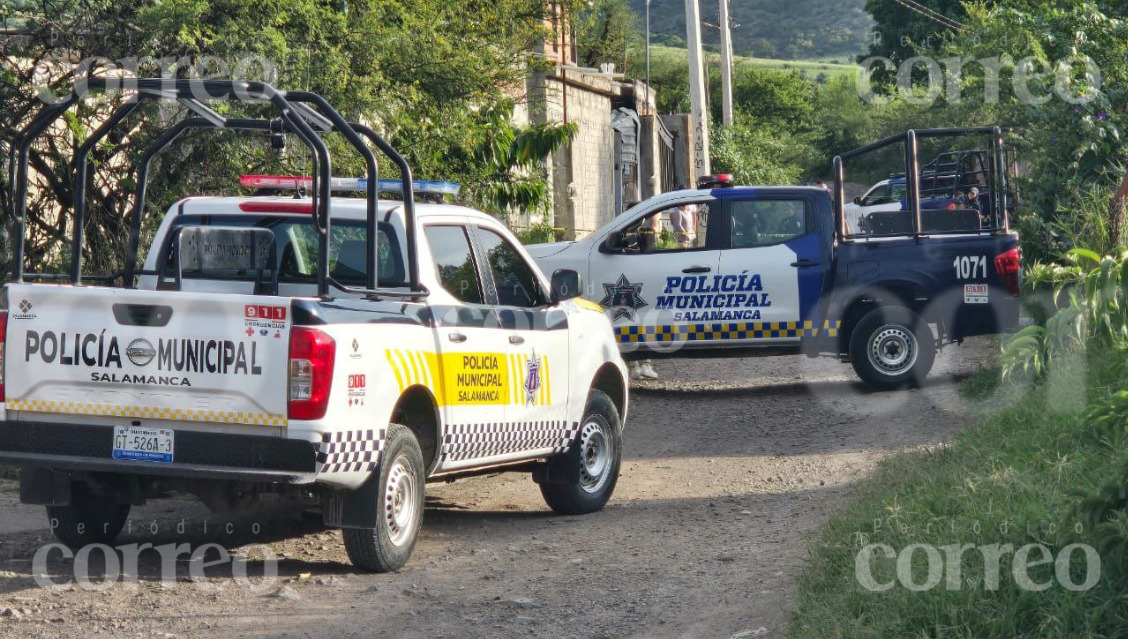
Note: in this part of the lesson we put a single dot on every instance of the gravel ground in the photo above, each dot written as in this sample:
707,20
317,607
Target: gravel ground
729,466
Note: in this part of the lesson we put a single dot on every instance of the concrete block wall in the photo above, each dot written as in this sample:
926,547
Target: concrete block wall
593,161
580,174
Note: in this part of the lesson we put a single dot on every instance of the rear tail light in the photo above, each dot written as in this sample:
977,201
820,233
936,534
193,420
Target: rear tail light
312,354
1009,267
3,338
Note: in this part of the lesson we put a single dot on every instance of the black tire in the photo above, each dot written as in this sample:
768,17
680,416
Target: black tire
600,426
89,519
892,347
388,547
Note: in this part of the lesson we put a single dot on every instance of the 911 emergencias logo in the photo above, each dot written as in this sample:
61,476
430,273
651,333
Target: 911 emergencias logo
264,320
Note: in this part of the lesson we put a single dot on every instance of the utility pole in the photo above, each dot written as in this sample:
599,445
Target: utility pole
726,64
648,58
700,115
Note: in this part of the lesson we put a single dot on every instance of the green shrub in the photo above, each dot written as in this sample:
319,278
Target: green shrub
1047,464
1031,471
1096,311
541,233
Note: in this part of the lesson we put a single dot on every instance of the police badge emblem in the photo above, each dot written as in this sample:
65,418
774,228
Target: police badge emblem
623,298
532,378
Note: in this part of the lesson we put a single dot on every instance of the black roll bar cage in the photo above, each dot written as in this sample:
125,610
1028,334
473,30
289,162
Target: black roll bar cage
996,172
296,116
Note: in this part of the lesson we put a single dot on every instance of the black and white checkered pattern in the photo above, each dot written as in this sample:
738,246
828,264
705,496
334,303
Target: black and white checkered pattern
473,441
350,451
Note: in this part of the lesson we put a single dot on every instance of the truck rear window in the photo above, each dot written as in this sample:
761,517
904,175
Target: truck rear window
296,248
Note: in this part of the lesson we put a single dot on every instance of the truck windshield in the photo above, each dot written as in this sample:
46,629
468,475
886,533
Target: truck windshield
296,248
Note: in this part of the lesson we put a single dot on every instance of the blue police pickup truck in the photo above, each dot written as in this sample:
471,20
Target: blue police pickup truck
751,271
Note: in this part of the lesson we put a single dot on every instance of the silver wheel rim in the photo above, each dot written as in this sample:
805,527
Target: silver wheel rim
893,350
595,456
400,501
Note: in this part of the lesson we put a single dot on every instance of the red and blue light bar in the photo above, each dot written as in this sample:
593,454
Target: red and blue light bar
718,181
292,183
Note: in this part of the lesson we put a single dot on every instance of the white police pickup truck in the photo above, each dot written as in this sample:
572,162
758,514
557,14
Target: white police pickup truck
267,345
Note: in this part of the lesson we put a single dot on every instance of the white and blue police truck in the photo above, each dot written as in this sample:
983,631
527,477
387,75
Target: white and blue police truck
727,270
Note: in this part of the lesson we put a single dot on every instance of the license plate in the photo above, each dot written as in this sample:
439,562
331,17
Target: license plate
144,444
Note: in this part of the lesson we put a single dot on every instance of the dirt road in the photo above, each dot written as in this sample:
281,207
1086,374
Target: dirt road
729,466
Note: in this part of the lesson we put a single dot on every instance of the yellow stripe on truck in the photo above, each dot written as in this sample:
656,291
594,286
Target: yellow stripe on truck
146,412
467,379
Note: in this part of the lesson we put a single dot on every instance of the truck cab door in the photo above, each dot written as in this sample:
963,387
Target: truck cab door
537,336
773,256
472,374
655,276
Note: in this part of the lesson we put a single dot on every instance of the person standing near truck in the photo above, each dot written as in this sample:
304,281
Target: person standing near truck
684,221
973,201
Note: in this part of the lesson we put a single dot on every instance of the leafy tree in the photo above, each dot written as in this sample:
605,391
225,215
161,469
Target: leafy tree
508,162
901,33
1069,125
782,96
604,29
422,72
756,153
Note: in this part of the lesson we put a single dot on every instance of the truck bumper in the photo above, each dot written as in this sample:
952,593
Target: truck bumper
73,447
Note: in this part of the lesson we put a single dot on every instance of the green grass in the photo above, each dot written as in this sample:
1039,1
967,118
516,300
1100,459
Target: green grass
1021,475
9,472
810,69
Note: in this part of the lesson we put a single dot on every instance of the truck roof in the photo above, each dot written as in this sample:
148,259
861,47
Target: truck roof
343,208
682,195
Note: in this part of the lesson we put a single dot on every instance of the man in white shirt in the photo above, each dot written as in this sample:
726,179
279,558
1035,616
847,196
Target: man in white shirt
684,221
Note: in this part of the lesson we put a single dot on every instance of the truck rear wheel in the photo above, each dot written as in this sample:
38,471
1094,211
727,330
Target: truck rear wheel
89,519
891,347
596,454
399,509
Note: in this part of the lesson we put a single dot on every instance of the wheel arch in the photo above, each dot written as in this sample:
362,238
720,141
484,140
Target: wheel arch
418,410
609,379
896,293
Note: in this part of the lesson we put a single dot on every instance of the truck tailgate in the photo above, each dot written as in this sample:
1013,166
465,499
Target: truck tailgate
104,352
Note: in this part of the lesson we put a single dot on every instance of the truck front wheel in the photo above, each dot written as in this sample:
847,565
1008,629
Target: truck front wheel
891,347
399,507
90,518
592,461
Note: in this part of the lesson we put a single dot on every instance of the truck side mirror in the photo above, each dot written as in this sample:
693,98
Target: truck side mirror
566,285
858,200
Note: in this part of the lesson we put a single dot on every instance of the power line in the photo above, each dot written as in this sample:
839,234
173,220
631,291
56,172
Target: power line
938,18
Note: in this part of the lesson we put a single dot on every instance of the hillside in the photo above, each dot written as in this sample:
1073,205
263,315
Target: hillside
787,29
820,72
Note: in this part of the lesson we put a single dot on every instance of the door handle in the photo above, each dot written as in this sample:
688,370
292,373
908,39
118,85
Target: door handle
804,263
696,269
457,338
516,339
